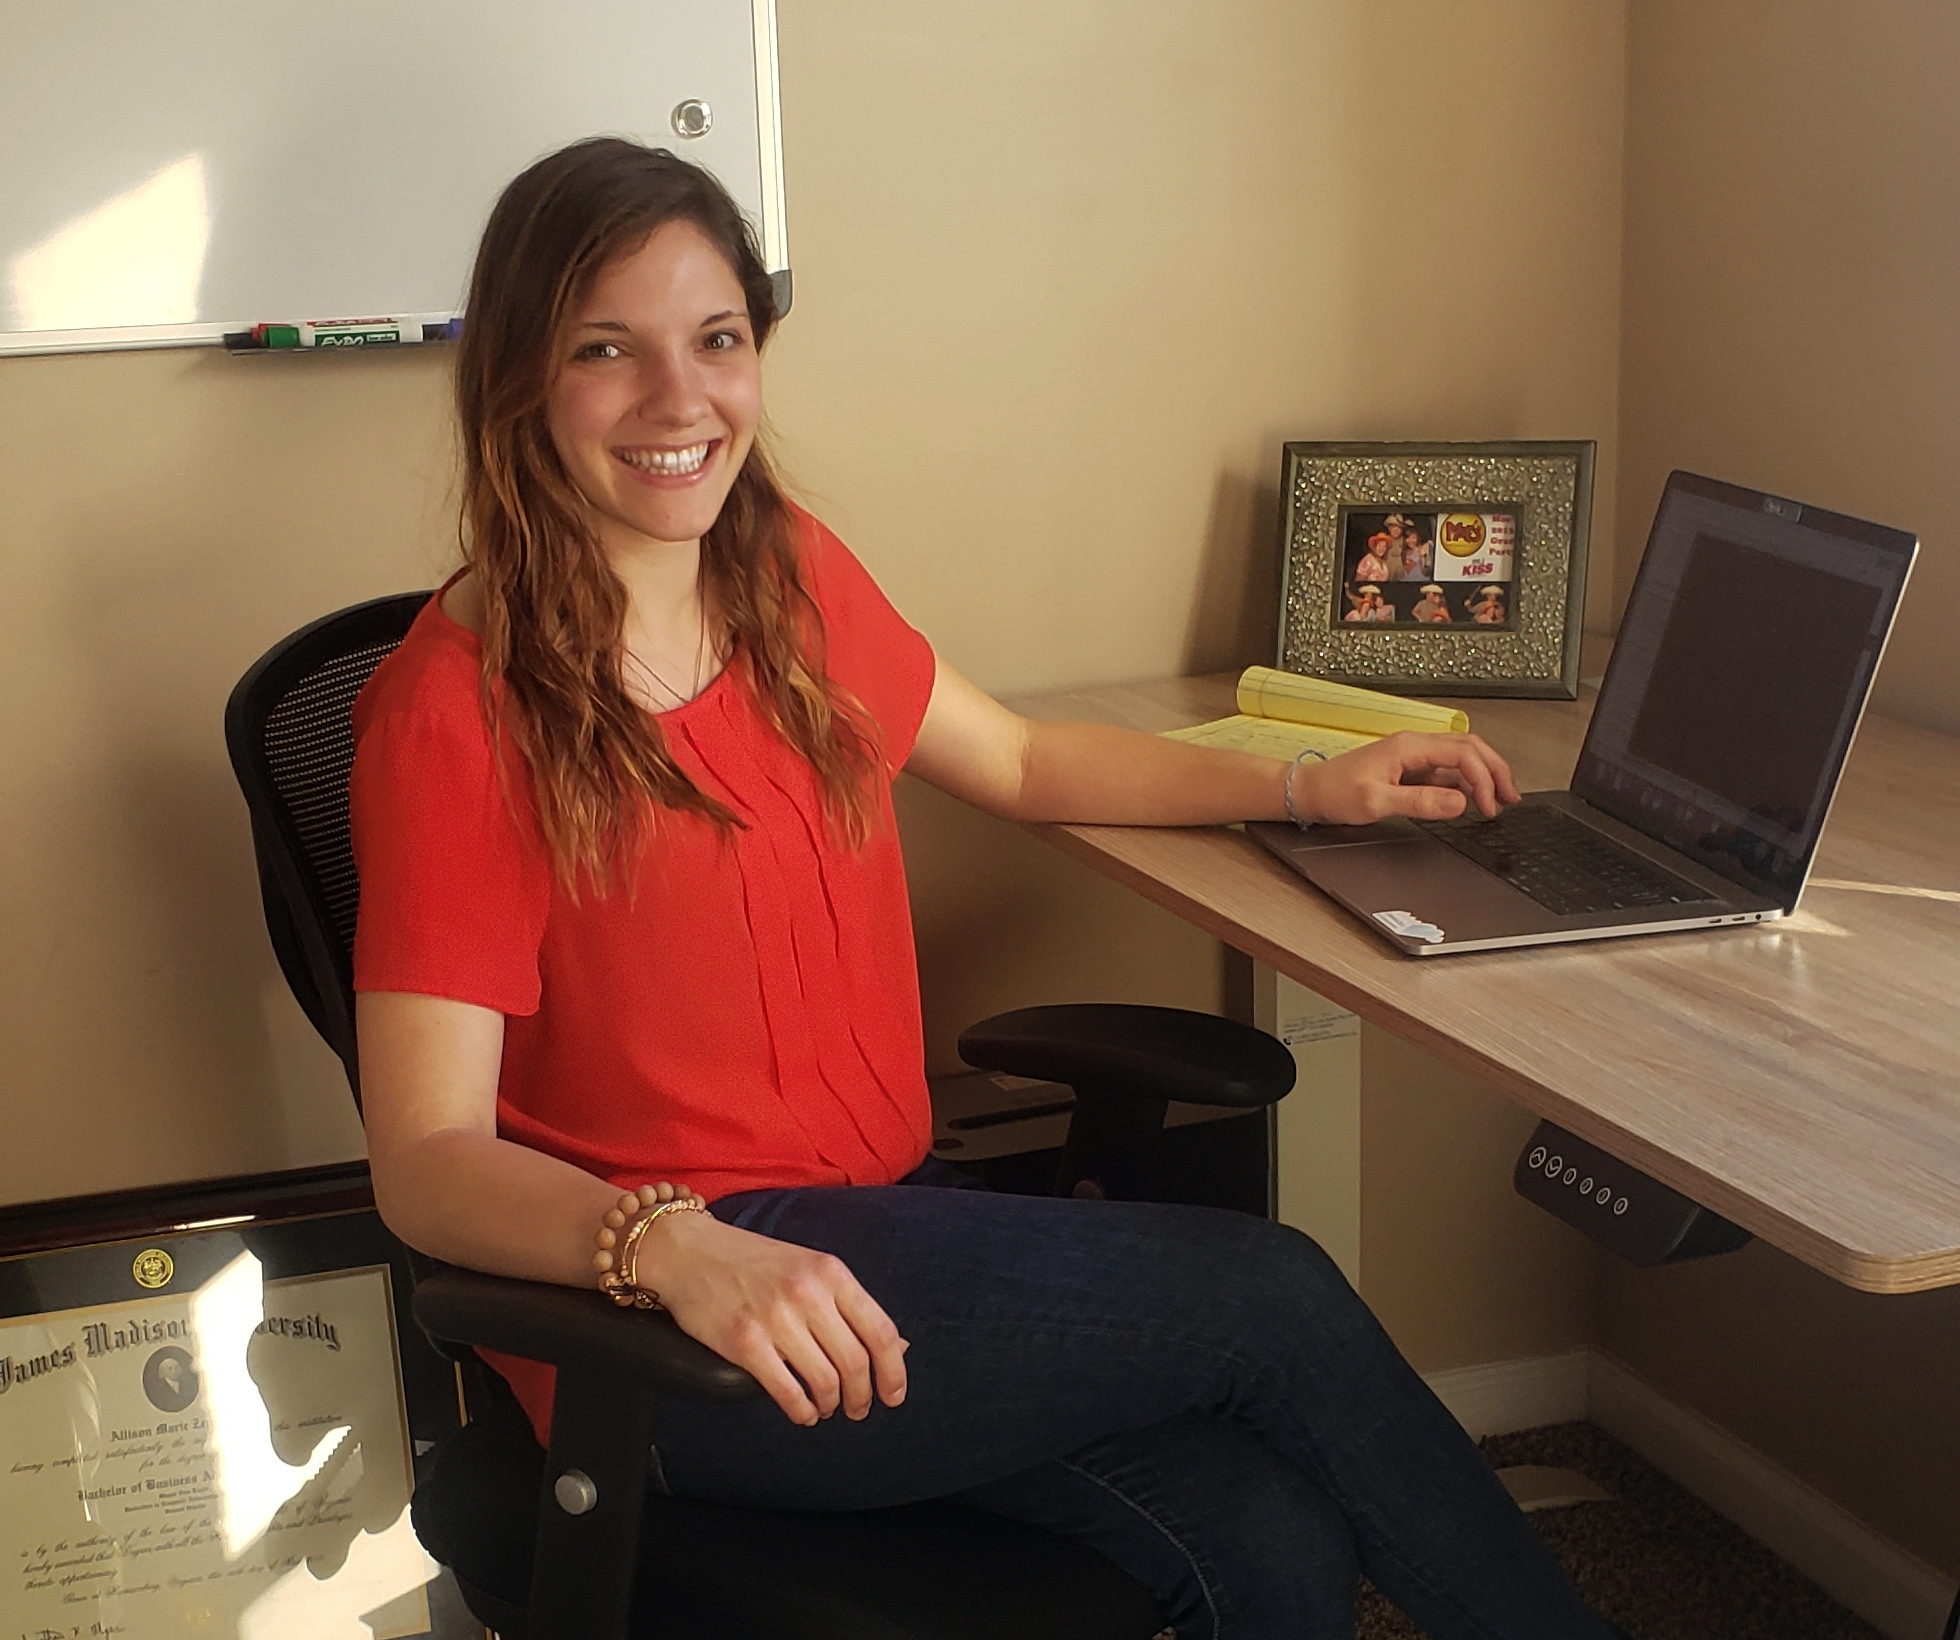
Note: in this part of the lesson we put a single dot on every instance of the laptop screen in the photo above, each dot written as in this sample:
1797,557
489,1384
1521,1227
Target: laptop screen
1743,663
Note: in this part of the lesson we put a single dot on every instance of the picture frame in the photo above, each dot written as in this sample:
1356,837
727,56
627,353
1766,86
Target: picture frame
1436,568
215,1401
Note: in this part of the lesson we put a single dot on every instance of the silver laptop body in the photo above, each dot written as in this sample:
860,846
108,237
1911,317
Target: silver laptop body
1742,668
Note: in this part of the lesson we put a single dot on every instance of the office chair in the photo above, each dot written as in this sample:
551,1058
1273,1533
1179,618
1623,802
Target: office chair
571,1544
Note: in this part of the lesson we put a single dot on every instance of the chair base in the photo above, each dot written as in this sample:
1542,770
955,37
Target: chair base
930,1571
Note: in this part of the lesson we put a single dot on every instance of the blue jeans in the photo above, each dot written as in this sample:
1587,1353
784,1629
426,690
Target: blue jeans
1197,1394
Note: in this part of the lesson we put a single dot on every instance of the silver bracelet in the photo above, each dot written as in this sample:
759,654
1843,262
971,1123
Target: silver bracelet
1292,813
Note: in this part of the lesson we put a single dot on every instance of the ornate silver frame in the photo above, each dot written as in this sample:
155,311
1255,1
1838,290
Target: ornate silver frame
1549,483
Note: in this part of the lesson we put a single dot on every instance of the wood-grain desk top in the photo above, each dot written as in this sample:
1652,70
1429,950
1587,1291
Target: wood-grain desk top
1800,1077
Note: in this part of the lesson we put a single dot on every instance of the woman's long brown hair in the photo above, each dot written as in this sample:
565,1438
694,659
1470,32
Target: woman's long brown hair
554,610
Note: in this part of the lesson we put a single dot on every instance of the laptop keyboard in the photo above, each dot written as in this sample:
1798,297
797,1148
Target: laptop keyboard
1564,864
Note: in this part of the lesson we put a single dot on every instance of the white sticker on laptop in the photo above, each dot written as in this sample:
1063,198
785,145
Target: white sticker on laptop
1410,926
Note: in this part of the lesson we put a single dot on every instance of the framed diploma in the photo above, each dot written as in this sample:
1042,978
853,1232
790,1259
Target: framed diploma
209,1421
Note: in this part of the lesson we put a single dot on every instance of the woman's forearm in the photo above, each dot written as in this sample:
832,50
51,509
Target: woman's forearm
975,749
1093,773
470,1198
779,1310
443,1181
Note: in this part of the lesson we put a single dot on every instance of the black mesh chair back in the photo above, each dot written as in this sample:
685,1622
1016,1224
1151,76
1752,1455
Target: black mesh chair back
289,729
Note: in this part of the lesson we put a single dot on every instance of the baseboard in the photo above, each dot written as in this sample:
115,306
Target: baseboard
1897,1593
1508,1395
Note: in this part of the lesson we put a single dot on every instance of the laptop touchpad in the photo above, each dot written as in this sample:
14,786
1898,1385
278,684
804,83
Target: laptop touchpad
1419,875
1317,836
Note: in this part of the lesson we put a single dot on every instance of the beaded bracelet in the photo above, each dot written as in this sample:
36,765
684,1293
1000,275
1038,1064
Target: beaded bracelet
1292,813
649,1202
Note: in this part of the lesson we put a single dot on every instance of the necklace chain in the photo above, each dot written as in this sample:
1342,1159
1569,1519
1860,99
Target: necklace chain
694,675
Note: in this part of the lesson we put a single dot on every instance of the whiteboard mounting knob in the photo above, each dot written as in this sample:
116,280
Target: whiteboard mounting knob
575,1492
693,118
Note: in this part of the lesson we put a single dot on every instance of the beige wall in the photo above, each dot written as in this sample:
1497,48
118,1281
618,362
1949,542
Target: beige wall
1792,258
1792,261
1066,278
163,517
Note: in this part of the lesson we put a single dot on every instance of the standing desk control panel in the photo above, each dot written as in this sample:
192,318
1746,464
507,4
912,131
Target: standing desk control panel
1618,1206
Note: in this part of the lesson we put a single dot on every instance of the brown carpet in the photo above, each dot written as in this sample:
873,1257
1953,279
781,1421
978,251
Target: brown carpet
1655,1560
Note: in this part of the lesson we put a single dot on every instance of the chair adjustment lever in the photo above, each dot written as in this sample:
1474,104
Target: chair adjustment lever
575,1492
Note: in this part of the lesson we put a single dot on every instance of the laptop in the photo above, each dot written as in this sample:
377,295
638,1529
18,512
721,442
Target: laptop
1743,664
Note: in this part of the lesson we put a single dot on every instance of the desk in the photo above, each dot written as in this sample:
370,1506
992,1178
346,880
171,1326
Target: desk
1801,1077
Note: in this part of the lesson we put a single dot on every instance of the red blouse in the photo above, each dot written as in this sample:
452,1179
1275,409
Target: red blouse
747,1015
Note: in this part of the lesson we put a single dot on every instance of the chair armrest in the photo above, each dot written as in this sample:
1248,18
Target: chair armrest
1127,1050
567,1327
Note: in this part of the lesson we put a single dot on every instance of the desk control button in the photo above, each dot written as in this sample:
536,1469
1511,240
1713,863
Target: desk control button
1638,1217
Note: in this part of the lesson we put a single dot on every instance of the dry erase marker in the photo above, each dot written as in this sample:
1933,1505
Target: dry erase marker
360,332
343,333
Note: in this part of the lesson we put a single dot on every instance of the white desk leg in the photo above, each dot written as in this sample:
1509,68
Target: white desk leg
1320,1165
1320,1120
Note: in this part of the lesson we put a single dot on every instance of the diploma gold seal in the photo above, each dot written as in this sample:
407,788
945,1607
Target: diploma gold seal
153,1268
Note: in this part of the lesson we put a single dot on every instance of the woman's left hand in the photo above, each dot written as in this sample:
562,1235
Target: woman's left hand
1426,777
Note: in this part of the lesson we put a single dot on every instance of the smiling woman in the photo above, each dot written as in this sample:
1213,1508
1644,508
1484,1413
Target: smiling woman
625,534
634,941
655,410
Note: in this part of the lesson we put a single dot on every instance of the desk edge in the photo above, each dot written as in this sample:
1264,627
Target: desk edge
1854,1267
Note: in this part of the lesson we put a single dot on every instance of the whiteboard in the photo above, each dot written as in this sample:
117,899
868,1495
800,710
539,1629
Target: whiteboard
169,173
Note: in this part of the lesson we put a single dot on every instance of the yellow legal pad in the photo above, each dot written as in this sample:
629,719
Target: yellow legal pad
1282,714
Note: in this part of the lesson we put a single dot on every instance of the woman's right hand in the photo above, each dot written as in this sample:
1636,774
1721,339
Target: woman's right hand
796,1319
449,1185
1428,777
